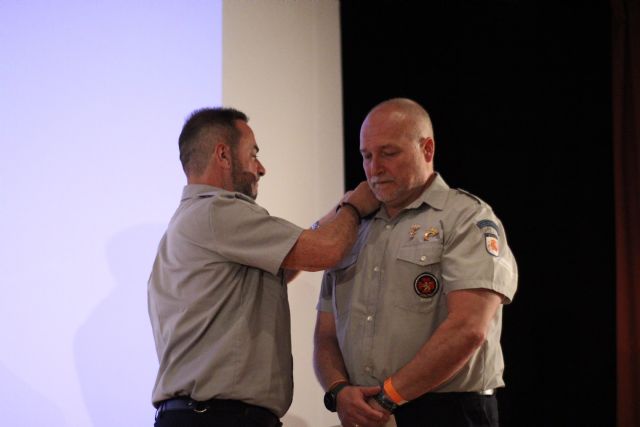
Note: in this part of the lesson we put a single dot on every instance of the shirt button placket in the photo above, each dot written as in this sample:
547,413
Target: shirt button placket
374,295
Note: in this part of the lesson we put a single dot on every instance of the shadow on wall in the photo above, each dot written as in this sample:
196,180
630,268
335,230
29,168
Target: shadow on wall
21,406
115,355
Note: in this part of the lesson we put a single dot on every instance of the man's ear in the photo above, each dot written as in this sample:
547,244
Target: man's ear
428,148
222,156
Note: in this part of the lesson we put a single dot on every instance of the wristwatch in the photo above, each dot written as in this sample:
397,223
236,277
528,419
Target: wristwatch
331,396
385,401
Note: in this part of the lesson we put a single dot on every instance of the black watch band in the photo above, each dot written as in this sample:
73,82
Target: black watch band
386,402
331,396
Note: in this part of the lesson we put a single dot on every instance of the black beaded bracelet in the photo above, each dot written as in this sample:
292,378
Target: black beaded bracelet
352,206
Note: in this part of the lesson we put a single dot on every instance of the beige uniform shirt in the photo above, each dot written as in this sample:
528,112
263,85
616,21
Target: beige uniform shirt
389,295
218,302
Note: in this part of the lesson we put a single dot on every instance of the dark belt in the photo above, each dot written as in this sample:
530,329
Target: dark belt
187,404
457,394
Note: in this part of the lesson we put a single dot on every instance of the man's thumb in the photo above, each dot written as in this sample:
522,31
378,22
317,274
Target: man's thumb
370,391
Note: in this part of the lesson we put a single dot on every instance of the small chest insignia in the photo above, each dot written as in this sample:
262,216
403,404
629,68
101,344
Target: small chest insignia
412,231
432,232
426,285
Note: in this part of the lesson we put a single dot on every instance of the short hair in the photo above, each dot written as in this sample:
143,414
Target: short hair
205,128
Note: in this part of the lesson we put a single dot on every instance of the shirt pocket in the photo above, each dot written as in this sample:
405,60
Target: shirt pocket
344,279
418,282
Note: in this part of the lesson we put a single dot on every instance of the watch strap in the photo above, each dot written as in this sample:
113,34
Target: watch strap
337,389
385,401
331,396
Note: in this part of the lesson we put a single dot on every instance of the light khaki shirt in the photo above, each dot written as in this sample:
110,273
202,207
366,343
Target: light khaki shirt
218,302
389,295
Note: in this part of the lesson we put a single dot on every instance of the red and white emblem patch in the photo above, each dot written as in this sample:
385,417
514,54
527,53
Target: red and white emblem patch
426,285
491,243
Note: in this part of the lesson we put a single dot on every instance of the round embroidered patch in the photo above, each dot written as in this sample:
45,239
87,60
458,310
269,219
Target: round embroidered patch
426,285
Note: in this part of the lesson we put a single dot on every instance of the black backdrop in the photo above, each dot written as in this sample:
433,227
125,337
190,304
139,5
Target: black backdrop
519,94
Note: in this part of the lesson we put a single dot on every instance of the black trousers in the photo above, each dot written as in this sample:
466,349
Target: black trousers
449,410
214,413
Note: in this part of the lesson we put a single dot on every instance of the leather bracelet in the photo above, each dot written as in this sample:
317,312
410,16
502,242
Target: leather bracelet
352,206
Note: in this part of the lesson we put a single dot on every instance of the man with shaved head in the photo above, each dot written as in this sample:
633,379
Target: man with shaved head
409,322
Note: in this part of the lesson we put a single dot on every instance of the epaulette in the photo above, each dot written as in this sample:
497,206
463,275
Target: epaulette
473,196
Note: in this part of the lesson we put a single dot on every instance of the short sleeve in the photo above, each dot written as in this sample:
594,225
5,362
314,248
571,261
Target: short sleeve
245,233
476,253
325,300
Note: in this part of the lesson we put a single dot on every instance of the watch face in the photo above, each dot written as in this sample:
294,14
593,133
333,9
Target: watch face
329,402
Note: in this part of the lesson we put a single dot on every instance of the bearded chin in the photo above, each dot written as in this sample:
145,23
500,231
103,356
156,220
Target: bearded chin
383,196
243,183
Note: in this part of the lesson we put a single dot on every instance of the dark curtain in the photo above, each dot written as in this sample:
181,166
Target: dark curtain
626,140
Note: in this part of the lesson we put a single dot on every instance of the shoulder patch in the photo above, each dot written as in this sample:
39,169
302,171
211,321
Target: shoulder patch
491,233
491,245
487,225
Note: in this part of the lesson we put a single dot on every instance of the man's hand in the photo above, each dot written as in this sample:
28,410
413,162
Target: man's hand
354,410
375,405
363,199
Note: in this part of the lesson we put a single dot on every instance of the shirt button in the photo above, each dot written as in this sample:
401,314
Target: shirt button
368,369
376,268
388,226
369,318
422,258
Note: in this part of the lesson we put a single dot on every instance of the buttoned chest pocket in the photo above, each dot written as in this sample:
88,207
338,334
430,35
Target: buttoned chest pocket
418,286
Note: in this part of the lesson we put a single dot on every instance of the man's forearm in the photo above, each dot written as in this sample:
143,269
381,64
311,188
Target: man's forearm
327,358
452,344
323,248
328,363
319,249
437,361
291,274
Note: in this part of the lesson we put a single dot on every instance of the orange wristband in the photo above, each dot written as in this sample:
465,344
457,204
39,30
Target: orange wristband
391,391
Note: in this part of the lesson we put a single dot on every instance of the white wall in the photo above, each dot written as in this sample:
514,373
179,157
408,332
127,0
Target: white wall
281,65
92,99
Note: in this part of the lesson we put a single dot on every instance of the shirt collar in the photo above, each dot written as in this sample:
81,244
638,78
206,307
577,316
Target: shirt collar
435,195
191,191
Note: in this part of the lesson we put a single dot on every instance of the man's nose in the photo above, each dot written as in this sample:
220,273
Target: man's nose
261,169
376,166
